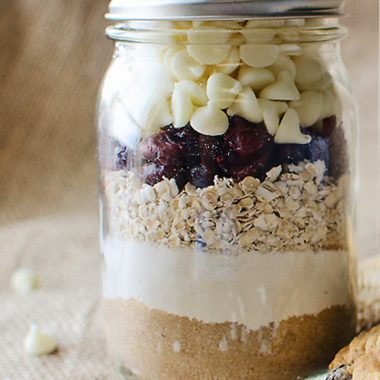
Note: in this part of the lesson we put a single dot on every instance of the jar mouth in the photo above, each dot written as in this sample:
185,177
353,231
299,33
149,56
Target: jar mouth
285,30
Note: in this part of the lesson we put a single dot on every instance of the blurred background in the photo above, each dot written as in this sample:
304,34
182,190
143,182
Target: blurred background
53,57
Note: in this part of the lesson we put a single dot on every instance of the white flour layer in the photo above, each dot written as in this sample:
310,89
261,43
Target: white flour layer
254,289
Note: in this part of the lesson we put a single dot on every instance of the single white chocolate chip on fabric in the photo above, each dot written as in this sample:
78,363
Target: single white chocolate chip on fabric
231,63
247,106
283,89
308,70
271,113
209,54
259,55
222,90
209,121
309,107
25,280
183,66
255,78
186,94
289,131
258,35
283,63
37,342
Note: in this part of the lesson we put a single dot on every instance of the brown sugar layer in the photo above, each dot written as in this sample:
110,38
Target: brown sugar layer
154,344
299,210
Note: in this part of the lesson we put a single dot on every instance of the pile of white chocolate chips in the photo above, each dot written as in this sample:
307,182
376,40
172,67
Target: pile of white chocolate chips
258,70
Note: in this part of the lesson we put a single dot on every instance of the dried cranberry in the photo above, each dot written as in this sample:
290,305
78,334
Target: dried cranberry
247,150
159,149
210,147
291,153
154,173
257,168
187,140
328,125
202,176
248,140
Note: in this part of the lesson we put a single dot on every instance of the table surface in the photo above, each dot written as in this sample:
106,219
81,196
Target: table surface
65,253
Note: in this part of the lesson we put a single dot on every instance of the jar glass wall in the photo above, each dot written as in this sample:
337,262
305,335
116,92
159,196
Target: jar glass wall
227,172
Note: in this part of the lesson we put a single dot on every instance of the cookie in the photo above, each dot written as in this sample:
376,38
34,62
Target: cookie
360,360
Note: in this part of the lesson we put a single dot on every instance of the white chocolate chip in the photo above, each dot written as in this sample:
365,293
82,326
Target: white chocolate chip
265,23
329,101
259,55
283,63
247,106
207,34
169,54
321,84
291,49
177,346
271,113
222,90
226,24
209,54
158,115
195,91
231,63
37,342
255,78
309,107
283,89
186,94
308,70
289,35
258,35
183,66
210,121
182,108
25,280
289,131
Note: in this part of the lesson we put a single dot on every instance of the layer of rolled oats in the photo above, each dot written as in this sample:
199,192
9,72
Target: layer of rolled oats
298,210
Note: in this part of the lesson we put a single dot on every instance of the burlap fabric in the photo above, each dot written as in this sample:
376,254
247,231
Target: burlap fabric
52,58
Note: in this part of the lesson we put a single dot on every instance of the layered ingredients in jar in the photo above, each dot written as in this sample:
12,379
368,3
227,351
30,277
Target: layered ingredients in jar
226,187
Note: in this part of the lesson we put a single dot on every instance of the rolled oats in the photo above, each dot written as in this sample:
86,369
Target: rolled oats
297,210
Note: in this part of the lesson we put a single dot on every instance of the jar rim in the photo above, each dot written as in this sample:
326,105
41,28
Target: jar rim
121,10
169,33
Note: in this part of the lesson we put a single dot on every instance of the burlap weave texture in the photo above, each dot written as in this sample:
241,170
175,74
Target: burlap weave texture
53,55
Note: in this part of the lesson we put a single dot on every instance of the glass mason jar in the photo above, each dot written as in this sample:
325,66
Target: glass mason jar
227,170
